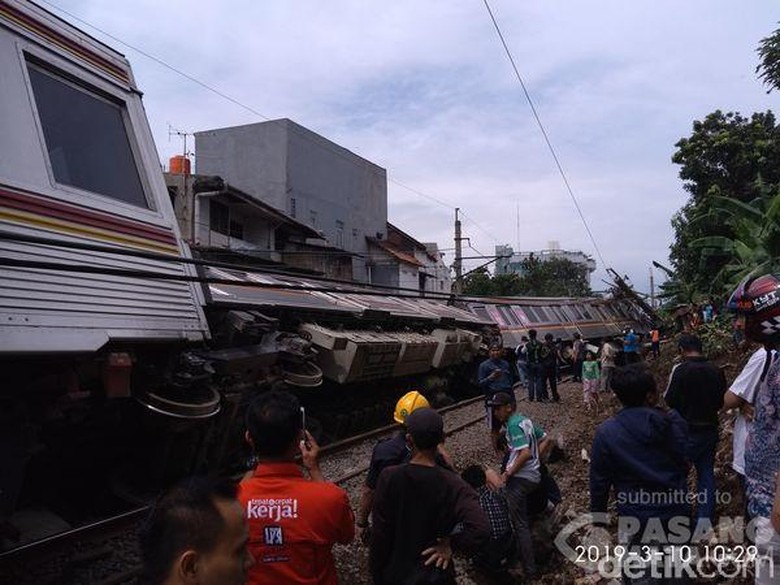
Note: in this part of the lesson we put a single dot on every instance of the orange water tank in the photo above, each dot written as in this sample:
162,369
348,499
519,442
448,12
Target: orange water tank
179,165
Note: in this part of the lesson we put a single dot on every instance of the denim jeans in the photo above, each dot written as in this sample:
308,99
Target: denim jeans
534,381
701,452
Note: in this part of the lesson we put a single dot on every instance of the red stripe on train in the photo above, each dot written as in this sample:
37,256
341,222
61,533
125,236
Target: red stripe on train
39,205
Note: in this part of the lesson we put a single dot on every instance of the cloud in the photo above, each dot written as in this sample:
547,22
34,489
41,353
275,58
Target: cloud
425,90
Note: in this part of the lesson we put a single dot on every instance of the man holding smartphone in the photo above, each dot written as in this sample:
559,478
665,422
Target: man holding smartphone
293,521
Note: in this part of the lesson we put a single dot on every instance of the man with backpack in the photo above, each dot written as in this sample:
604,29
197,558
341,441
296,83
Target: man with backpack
533,353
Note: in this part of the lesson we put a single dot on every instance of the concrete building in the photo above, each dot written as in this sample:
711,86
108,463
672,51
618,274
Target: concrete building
222,222
313,180
511,262
402,261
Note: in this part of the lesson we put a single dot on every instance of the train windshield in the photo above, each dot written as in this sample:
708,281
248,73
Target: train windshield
86,138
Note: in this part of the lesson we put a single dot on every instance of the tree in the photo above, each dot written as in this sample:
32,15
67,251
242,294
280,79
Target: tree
726,156
755,244
478,283
556,277
769,68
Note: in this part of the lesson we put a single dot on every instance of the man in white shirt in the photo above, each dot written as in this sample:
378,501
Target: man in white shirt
741,395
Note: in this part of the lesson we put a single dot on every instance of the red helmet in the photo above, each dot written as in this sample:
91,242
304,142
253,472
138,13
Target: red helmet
758,300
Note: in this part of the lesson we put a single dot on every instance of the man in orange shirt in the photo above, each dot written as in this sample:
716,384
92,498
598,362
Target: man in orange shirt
293,521
655,339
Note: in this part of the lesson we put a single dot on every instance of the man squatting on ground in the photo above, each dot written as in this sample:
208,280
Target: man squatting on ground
526,443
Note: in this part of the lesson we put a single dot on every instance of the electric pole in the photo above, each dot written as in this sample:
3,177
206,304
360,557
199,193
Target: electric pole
458,265
652,289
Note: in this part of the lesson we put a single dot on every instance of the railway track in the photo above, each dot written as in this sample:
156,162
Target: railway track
70,553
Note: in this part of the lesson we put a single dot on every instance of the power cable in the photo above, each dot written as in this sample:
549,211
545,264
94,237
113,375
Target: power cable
305,135
544,134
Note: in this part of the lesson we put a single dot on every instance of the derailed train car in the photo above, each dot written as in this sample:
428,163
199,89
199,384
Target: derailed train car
593,318
127,363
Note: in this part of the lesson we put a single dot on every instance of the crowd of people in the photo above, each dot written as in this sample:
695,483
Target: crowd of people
415,510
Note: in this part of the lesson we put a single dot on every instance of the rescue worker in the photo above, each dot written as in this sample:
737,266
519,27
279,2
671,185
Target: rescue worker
393,451
417,507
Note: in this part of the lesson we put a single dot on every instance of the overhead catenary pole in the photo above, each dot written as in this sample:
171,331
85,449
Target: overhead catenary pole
652,289
458,265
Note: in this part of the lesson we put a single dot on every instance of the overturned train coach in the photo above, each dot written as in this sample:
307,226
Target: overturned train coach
127,363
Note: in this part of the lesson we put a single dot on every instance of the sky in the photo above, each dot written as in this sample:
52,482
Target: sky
425,90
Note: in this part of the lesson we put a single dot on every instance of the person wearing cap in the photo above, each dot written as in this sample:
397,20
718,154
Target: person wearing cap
416,508
393,451
526,443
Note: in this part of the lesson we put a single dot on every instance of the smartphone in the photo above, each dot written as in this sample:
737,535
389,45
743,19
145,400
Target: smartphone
303,427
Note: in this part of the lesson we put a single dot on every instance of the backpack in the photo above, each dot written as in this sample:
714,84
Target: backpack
533,350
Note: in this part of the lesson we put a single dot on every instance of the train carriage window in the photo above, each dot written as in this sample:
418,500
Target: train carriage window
508,315
531,314
542,314
86,138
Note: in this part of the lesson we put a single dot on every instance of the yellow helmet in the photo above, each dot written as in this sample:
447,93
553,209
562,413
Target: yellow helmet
407,404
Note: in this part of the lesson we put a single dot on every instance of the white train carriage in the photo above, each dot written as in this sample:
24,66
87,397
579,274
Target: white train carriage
78,167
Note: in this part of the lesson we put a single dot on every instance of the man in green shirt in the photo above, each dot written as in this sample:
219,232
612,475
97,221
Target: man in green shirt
526,443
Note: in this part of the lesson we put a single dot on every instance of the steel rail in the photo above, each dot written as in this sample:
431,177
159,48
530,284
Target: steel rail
114,524
456,429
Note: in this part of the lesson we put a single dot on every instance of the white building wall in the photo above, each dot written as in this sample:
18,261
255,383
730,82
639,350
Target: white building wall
304,175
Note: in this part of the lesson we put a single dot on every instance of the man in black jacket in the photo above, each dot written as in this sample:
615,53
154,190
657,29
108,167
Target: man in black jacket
417,506
696,389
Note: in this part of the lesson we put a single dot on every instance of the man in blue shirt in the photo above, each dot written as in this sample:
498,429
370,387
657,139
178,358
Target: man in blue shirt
495,376
631,347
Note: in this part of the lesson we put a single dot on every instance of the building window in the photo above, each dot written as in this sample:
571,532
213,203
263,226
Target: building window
339,234
236,230
86,138
219,217
292,207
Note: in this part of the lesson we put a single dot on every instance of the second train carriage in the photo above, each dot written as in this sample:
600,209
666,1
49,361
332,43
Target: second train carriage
593,318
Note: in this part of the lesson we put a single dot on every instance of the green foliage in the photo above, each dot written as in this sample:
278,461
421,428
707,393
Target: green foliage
716,336
730,164
755,244
556,277
478,283
769,67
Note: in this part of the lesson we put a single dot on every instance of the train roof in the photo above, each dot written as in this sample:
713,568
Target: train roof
259,290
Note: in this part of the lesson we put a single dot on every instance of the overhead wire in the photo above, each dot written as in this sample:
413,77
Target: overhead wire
544,134
334,149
